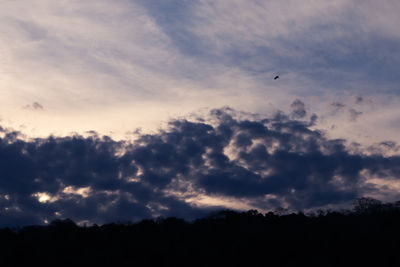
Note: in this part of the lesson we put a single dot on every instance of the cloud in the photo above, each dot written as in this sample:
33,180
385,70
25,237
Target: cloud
359,99
264,162
338,105
354,114
125,56
313,42
106,63
298,109
34,106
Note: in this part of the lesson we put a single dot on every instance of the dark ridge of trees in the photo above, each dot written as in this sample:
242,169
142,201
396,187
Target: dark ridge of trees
369,235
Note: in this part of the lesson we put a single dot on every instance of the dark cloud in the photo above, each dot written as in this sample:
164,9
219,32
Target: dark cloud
338,105
384,147
313,119
270,162
298,109
359,99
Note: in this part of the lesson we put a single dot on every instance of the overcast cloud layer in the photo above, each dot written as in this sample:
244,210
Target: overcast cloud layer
122,64
227,160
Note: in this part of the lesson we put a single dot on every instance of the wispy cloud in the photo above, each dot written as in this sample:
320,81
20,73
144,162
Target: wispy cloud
132,62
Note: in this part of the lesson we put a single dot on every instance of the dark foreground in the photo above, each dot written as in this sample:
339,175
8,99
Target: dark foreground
367,236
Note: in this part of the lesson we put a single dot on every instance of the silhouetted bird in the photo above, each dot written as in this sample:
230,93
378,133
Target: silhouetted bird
276,77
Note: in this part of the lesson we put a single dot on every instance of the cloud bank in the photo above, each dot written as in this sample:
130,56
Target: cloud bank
265,162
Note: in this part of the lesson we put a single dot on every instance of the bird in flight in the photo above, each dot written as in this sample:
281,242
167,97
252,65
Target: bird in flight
276,77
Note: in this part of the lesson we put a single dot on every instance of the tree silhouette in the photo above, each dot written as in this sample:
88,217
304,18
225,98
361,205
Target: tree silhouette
368,235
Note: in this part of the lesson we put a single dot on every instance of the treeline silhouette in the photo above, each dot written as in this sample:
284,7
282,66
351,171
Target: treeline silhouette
367,235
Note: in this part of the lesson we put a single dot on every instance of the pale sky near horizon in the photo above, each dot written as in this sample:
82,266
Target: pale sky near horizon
113,66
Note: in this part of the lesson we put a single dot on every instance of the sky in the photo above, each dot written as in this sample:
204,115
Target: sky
126,109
